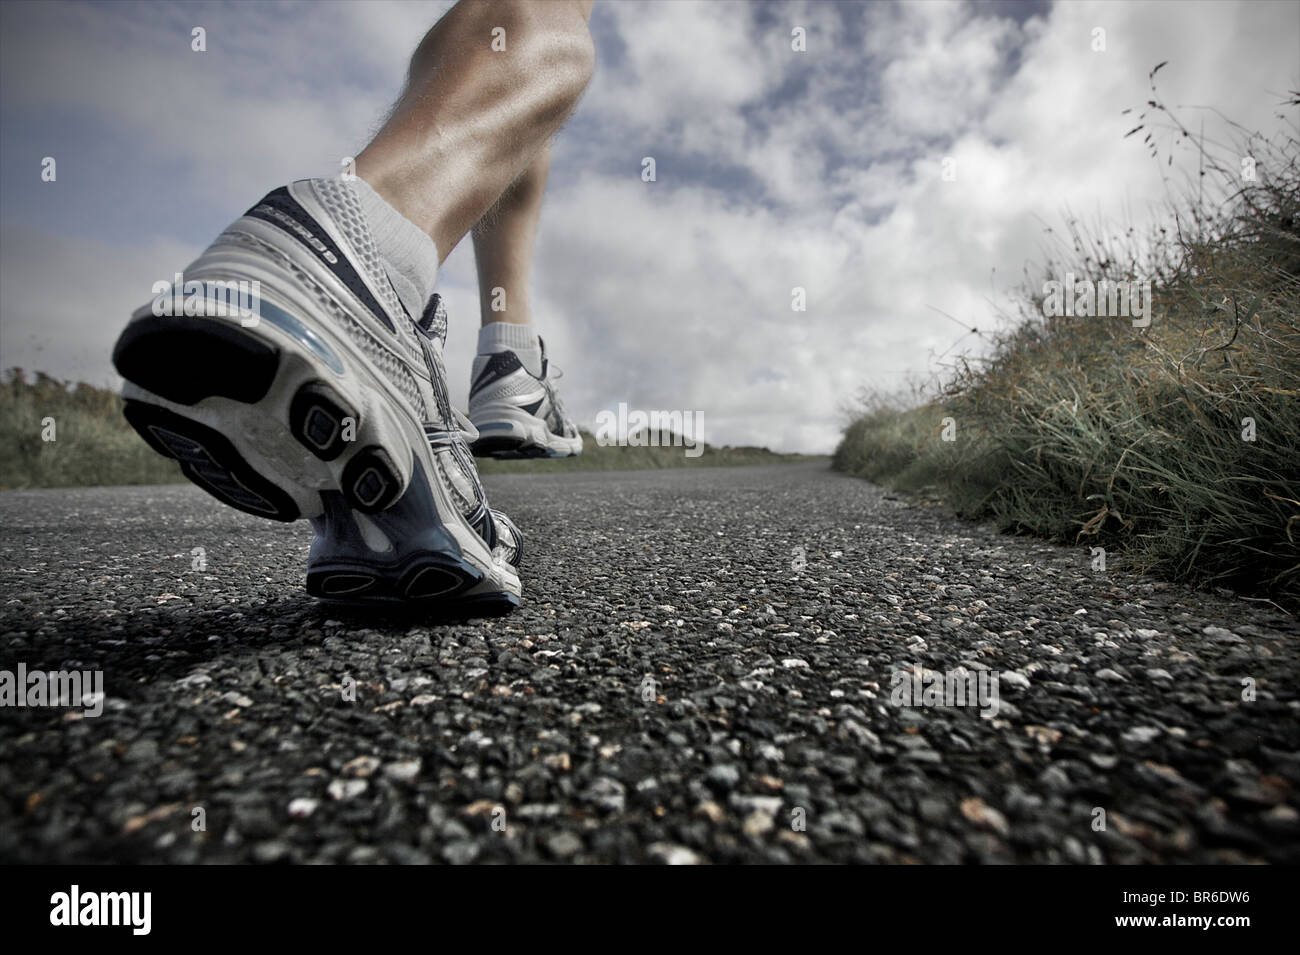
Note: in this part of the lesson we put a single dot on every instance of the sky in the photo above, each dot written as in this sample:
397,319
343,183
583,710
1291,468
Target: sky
821,169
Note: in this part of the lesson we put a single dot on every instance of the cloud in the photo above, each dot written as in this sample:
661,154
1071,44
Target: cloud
776,169
74,296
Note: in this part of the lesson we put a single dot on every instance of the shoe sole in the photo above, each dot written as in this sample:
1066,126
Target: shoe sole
435,578
511,433
187,360
322,449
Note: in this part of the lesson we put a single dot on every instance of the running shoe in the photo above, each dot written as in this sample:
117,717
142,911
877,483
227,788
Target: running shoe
284,375
519,414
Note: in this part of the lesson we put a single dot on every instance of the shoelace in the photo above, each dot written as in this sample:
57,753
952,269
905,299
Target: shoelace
463,433
460,434
553,372
465,429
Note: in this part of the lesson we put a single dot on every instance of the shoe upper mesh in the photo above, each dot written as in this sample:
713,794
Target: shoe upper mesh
389,364
339,199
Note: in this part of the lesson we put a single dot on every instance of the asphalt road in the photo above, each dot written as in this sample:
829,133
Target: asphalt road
673,689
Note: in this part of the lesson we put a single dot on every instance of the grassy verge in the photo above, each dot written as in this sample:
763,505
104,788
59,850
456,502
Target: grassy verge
93,445
1176,447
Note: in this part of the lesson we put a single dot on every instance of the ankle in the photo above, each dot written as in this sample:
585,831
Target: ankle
410,256
503,336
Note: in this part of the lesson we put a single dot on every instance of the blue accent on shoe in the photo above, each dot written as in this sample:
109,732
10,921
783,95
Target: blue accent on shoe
294,328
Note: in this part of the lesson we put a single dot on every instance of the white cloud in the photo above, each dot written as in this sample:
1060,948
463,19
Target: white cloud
74,295
778,169
943,67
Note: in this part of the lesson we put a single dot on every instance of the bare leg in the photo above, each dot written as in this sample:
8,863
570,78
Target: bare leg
503,245
472,119
512,399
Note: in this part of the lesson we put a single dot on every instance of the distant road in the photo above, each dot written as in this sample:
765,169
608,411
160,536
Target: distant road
673,689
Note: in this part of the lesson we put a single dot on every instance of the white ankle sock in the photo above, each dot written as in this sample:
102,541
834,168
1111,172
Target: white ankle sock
520,339
410,256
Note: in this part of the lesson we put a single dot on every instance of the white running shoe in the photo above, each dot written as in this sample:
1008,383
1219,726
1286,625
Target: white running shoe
317,396
518,414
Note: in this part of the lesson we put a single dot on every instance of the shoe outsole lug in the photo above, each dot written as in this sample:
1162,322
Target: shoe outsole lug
211,461
431,581
319,419
186,359
347,584
427,577
371,480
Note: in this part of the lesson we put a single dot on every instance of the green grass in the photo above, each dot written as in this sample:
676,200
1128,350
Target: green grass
93,445
1089,431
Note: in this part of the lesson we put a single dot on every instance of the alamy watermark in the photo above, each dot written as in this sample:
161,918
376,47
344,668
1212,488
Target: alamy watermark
651,429
960,687
75,907
1084,298
23,687
213,298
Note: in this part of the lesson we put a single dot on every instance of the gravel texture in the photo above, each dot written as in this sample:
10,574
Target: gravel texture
673,690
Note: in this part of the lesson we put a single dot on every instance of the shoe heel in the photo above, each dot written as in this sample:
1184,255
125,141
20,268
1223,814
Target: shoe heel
186,359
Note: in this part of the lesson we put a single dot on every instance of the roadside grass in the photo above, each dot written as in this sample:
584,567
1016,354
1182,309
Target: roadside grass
93,444
1177,446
